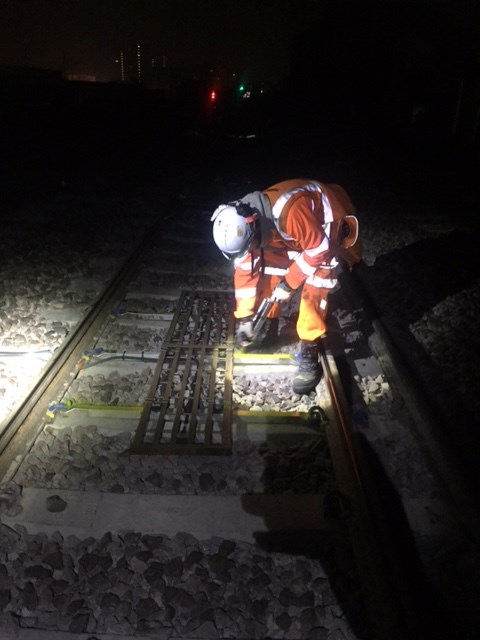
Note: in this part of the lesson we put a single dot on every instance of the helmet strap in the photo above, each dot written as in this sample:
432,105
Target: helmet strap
245,210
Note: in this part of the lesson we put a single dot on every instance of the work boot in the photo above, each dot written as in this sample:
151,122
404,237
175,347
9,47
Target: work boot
309,368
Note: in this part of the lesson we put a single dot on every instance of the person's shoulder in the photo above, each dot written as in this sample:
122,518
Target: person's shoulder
287,185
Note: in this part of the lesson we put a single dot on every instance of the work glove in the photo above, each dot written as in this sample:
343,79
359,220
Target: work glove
244,332
282,292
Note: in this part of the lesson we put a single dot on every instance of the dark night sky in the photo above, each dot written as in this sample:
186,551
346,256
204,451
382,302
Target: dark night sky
370,58
85,36
254,38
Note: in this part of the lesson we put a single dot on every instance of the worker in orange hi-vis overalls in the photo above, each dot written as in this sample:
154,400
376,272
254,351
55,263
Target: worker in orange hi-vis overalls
288,236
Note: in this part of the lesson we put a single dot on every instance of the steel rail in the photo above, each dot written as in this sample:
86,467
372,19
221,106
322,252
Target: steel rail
403,377
19,430
463,512
386,616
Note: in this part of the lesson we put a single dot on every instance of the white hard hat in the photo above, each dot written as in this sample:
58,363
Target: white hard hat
232,232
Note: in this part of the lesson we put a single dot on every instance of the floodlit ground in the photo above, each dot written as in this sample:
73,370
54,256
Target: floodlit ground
68,218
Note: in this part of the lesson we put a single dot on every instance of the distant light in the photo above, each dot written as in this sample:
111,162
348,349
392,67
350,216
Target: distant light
139,64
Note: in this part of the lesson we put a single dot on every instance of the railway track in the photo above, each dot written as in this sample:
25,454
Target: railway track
275,530
19,429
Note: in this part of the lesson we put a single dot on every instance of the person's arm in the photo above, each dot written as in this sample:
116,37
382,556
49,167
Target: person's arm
245,283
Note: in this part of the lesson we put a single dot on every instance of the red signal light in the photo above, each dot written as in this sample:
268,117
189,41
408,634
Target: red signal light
213,96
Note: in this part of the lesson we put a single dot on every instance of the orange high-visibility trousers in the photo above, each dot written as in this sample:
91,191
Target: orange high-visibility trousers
313,300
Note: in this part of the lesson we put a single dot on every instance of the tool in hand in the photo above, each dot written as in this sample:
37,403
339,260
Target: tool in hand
281,293
247,336
259,320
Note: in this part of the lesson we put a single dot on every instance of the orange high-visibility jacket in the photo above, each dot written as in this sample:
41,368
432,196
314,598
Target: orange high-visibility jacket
306,219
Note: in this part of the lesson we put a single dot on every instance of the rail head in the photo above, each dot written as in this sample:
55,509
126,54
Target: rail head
388,609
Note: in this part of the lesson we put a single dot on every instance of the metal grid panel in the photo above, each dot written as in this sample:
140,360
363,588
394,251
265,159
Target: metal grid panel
189,405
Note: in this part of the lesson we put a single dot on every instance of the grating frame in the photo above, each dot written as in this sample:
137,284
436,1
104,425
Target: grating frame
188,409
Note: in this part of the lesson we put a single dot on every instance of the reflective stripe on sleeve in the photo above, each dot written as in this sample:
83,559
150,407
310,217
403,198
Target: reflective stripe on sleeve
327,209
304,267
321,283
323,246
275,271
331,265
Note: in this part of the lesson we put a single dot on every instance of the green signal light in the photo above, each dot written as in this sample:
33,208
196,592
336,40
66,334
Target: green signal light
241,87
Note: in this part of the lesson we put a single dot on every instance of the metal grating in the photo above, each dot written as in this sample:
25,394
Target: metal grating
189,405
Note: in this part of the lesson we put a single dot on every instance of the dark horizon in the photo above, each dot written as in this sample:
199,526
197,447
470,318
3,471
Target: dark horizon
85,38
391,86
257,41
